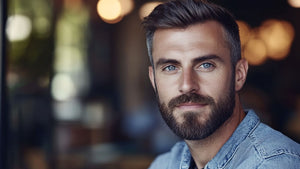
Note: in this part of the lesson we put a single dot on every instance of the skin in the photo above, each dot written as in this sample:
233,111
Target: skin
197,59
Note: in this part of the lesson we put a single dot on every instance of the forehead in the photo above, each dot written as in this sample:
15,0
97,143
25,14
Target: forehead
207,36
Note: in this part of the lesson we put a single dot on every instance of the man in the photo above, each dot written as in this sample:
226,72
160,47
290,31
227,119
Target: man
197,72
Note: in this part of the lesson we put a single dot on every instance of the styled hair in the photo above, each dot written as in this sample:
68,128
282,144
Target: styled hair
184,13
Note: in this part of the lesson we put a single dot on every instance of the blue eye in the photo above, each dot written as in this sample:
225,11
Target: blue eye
206,65
169,68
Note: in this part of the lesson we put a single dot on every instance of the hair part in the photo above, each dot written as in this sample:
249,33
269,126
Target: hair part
184,13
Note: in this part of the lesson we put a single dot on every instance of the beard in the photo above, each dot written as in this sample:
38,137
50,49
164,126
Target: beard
192,128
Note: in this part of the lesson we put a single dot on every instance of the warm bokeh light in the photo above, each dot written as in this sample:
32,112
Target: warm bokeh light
18,27
255,51
110,10
127,6
147,8
294,3
278,36
272,39
245,32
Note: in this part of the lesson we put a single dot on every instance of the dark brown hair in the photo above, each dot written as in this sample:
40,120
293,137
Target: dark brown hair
183,13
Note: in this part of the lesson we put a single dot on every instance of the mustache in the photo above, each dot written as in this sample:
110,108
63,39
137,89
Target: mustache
190,97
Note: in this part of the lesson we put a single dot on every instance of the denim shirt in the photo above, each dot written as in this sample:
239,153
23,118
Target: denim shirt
252,145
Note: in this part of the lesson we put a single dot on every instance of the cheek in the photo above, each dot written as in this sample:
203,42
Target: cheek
217,86
166,88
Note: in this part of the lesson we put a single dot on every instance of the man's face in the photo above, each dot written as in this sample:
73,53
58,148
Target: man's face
193,78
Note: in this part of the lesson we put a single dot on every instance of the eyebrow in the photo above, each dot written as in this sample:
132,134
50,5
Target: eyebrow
207,57
163,61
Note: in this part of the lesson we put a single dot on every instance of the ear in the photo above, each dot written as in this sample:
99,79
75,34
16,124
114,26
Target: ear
151,76
241,71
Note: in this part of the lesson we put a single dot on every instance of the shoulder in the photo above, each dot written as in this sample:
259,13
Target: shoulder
273,147
173,157
283,160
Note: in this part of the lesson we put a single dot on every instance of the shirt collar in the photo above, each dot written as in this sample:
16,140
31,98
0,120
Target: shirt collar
248,124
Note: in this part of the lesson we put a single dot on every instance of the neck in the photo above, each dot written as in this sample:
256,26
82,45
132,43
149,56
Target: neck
204,150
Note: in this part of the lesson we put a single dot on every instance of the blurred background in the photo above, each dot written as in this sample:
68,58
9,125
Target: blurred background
75,89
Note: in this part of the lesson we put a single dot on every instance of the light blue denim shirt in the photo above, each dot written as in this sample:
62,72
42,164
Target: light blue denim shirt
252,145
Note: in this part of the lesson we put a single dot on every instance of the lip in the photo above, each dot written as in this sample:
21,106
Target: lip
191,106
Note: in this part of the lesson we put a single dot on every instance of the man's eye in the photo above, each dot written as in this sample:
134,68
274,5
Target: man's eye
169,68
207,66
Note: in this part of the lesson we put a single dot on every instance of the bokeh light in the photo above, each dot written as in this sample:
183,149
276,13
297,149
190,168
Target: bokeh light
68,59
273,39
245,32
18,27
147,8
63,87
110,10
126,6
294,3
70,110
278,36
255,51
42,26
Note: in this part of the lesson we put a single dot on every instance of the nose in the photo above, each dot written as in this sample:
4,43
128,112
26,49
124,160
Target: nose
188,82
